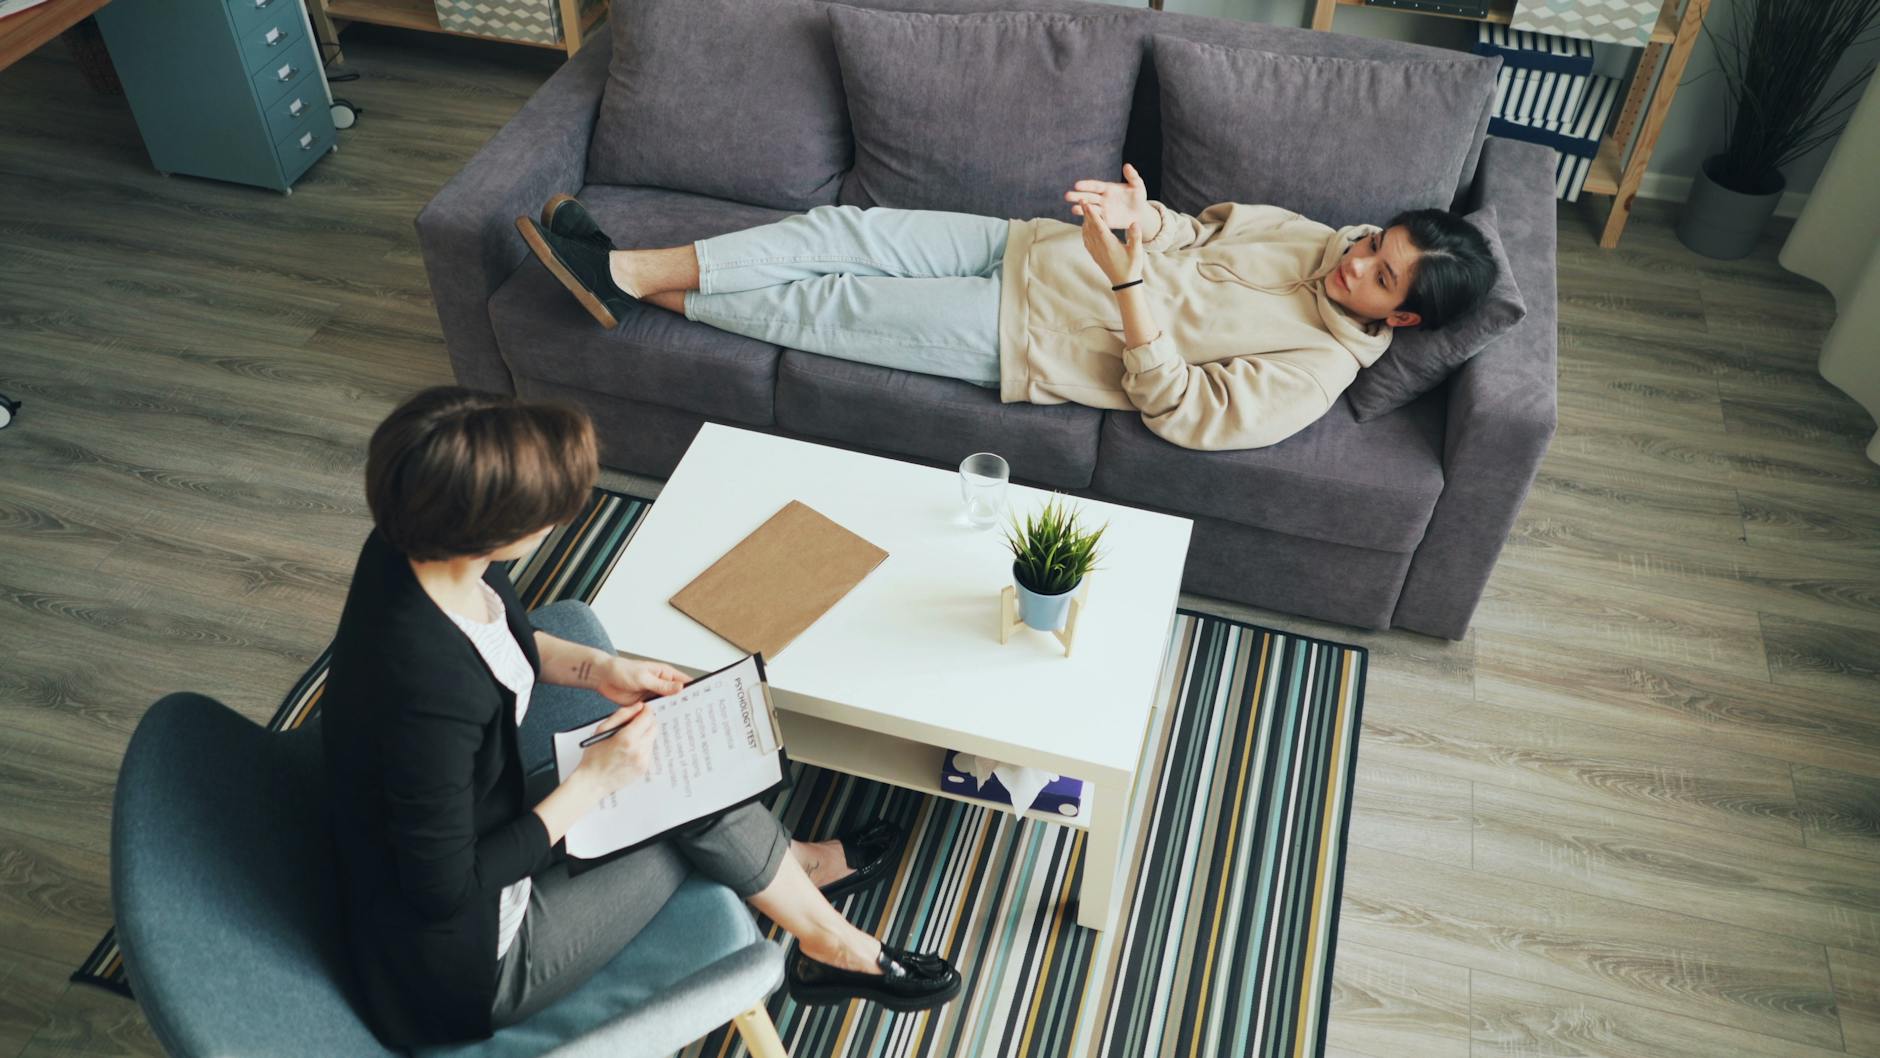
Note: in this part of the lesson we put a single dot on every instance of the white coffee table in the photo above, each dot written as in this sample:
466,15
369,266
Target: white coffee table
909,664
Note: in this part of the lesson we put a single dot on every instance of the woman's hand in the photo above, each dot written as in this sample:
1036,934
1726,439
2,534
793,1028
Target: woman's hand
1125,203
1121,263
623,757
625,682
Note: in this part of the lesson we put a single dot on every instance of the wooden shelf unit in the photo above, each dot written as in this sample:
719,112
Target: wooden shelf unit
1619,168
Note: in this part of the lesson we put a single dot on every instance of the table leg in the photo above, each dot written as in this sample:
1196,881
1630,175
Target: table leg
1102,893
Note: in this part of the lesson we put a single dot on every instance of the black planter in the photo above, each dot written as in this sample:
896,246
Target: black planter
1725,224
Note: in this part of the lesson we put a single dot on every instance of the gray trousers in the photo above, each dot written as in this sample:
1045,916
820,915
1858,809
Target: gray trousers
577,923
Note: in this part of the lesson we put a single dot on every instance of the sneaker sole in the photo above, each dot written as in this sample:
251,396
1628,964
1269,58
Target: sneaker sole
581,293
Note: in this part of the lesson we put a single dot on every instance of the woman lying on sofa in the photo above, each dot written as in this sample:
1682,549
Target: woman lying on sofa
1234,329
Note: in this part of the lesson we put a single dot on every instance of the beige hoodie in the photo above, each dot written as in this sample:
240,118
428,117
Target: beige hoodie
1251,350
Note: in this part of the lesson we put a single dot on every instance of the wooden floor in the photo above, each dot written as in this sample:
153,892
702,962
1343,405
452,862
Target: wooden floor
1636,813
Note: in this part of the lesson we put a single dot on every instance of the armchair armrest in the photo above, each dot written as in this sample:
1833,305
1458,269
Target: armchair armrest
1501,412
467,231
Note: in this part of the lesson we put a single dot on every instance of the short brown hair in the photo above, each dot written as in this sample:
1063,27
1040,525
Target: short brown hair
454,472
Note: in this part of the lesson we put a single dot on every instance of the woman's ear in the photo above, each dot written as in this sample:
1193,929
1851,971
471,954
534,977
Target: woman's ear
1400,318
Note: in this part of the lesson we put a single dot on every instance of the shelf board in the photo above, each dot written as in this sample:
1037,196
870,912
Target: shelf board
1666,30
1603,177
1500,12
407,14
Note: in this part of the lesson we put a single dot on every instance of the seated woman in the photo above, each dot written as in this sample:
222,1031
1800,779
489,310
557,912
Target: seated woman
1234,329
439,708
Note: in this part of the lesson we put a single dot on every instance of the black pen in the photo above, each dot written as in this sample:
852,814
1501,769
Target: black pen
602,736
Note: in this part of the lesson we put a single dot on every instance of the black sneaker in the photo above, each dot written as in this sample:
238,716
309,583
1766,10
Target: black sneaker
581,265
565,215
908,981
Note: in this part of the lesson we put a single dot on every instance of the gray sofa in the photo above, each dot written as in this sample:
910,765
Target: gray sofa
1391,522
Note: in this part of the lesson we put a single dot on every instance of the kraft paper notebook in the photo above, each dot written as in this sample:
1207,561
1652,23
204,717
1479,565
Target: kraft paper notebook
778,580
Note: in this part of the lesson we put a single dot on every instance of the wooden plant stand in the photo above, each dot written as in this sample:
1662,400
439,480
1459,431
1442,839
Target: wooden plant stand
1010,622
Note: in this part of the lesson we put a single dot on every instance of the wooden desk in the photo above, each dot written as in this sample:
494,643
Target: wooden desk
26,31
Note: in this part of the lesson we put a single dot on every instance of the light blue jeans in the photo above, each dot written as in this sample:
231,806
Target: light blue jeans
911,289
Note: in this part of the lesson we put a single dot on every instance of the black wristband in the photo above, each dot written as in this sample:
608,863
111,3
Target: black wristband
1126,286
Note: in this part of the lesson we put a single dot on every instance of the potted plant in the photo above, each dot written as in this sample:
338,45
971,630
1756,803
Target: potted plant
1776,62
1051,554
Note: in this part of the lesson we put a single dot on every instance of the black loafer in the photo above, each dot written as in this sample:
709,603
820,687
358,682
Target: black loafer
872,850
908,981
565,215
581,266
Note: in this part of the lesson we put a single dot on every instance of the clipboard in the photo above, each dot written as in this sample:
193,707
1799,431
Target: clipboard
577,864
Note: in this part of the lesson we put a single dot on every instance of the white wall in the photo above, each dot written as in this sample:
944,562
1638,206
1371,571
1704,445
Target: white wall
1692,132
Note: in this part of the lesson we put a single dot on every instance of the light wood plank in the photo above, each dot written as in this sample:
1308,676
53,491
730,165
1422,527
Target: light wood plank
1679,964
1606,767
1762,886
1412,813
1522,1019
1857,997
1385,1003
1840,812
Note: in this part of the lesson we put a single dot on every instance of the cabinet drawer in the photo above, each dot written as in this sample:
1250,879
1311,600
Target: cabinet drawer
274,79
246,14
301,148
266,40
293,112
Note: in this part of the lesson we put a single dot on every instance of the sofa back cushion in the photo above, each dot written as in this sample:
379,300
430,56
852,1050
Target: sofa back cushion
996,113
738,99
1419,360
1340,140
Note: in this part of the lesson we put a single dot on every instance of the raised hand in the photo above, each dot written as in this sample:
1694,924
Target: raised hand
1120,261
1122,204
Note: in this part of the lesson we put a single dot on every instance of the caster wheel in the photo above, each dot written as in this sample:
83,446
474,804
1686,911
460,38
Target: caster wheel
8,408
344,116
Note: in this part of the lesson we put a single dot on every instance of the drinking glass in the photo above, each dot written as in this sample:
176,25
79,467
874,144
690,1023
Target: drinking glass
982,485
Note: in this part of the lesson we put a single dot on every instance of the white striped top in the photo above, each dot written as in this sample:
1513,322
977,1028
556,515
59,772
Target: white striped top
504,656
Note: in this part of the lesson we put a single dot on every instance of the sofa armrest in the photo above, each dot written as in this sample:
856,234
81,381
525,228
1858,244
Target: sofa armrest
1501,411
467,231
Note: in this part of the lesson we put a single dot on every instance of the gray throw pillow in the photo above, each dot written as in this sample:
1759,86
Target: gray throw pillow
1342,141
737,99
996,114
1419,360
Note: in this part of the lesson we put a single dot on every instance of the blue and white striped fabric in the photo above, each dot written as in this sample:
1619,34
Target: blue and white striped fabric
1537,97
1535,51
1579,134
1570,175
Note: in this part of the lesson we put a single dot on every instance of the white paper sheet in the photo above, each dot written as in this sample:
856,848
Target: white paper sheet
717,746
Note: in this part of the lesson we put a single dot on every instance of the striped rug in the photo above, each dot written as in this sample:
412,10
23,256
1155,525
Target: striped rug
1238,821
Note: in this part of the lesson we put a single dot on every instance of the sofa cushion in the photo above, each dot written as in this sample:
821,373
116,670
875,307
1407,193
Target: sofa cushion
1370,485
1419,360
996,114
1343,141
740,99
938,420
654,356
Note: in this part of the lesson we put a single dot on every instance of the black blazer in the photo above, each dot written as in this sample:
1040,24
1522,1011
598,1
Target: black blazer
429,814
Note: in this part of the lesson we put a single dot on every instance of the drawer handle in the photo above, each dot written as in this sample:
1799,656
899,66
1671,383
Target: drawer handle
285,73
274,36
261,5
306,141
294,108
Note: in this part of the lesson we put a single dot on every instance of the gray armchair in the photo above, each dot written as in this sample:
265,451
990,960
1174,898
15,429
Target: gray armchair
222,881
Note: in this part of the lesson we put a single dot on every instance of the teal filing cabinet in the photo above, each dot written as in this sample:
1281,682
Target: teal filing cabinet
226,89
